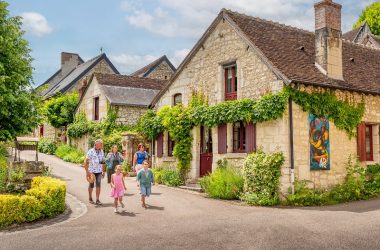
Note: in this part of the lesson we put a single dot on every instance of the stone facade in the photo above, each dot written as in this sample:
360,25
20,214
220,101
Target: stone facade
129,115
163,72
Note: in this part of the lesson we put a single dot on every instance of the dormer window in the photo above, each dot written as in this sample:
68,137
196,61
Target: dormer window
177,99
230,82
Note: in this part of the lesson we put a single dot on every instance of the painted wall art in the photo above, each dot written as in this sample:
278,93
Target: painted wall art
319,140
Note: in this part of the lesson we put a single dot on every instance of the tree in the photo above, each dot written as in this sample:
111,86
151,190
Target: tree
371,14
18,103
59,111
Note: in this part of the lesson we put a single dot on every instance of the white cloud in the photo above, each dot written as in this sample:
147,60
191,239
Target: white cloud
190,18
130,63
178,56
35,24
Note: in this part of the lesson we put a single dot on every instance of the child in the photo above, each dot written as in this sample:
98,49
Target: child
146,179
118,187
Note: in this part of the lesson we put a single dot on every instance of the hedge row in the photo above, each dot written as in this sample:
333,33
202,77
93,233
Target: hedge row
45,199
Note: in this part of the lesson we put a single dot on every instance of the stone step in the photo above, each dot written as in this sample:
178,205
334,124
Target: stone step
192,187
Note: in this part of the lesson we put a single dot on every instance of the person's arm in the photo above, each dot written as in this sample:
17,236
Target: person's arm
121,157
112,183
134,159
103,166
85,165
108,156
125,187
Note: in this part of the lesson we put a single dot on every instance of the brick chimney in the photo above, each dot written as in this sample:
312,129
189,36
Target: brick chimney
328,38
69,61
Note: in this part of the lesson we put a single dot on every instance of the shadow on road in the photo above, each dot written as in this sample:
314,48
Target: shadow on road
155,207
125,213
354,207
155,193
104,205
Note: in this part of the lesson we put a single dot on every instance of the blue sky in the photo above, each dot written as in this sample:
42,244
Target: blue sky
134,32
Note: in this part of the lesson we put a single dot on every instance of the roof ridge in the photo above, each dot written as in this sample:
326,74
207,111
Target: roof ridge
278,24
360,45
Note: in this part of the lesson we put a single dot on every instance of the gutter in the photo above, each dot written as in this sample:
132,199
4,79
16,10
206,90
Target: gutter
291,142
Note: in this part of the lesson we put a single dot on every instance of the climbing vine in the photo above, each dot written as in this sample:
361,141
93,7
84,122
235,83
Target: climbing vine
346,115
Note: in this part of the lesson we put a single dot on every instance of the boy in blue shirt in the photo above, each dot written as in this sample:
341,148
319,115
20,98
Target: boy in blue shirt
145,178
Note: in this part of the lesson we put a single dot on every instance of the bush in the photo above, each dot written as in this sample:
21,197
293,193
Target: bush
223,183
70,154
47,147
46,198
261,174
158,174
3,174
170,177
304,196
3,150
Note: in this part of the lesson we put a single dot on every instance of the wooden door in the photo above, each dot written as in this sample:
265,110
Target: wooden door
206,151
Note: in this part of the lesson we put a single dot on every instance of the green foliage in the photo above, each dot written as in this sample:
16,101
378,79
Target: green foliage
170,177
223,183
70,154
357,186
126,167
17,174
47,146
345,115
79,127
158,174
371,14
51,194
261,174
3,150
60,109
18,103
150,125
46,198
3,173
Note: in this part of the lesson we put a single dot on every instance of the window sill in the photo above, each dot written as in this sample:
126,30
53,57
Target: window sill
168,159
235,155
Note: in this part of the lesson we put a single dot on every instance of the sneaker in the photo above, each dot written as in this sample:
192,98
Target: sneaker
98,203
91,201
115,210
122,204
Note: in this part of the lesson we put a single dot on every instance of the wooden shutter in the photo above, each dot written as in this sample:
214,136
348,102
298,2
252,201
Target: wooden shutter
160,145
222,139
361,142
250,137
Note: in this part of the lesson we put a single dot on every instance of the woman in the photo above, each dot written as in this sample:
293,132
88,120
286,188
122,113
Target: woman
113,159
140,156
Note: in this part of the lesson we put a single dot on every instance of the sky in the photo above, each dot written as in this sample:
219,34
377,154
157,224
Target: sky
133,33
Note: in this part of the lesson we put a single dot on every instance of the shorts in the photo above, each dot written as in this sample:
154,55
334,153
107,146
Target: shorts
145,191
138,167
98,180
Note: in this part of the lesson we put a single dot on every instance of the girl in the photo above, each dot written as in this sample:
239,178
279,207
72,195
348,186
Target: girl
118,187
145,178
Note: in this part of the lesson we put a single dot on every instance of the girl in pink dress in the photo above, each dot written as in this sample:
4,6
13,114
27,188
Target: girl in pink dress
118,187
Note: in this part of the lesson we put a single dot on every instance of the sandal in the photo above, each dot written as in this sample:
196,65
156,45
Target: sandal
98,203
91,201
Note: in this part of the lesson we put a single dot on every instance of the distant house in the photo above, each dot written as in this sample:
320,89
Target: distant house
161,68
72,76
363,35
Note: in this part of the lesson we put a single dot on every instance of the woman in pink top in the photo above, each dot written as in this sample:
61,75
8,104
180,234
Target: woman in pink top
118,187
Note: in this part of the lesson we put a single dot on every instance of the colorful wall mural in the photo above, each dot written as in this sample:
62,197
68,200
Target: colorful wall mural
319,139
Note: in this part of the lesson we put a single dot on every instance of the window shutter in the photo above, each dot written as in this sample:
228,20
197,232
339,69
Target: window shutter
222,139
160,145
250,134
361,142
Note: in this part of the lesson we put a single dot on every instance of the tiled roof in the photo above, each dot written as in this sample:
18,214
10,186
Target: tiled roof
282,44
118,95
351,35
129,81
146,70
65,83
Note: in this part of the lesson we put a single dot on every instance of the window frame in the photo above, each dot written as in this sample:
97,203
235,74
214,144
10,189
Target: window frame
242,140
171,144
232,95
96,108
174,99
370,137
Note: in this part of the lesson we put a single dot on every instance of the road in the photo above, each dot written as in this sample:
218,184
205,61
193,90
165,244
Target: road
181,220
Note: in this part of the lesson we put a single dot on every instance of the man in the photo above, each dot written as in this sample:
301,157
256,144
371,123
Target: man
94,165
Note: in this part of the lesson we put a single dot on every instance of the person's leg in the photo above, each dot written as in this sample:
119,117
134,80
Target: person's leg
143,200
115,205
121,201
90,188
98,181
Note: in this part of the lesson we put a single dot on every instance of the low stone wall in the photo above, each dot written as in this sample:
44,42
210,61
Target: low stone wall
21,173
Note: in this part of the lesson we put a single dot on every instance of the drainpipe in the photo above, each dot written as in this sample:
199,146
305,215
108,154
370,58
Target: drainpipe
290,106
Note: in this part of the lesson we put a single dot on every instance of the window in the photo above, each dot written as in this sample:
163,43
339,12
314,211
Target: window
230,82
177,99
239,144
368,143
42,130
96,108
170,146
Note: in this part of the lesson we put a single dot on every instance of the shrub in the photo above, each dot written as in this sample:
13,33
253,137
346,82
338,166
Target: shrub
261,174
223,183
158,174
70,154
3,174
46,198
304,196
171,177
3,150
46,146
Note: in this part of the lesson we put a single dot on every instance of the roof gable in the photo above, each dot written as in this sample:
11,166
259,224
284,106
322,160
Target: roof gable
146,70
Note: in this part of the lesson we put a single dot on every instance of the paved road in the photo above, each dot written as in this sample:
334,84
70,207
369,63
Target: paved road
181,220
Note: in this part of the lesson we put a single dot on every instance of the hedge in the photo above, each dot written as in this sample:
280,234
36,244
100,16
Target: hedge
45,199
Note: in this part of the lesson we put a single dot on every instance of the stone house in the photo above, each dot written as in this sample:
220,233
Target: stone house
72,75
130,96
363,35
161,68
244,57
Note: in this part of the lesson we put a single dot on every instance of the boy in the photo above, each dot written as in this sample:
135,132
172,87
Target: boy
145,178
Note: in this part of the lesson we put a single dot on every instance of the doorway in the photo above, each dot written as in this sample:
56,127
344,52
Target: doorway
206,151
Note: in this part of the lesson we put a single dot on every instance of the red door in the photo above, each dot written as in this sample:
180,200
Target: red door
206,151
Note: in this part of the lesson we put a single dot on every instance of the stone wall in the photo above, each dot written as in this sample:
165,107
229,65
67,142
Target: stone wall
81,143
162,72
129,115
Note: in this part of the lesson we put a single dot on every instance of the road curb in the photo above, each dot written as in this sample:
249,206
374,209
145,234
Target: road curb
74,210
